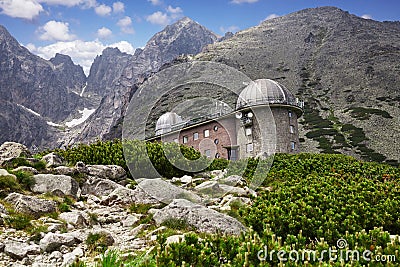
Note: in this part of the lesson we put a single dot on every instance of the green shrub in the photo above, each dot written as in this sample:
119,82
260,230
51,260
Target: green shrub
18,221
25,179
8,184
78,263
139,208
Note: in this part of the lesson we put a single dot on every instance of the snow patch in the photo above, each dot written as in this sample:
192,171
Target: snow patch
85,114
83,90
53,124
30,110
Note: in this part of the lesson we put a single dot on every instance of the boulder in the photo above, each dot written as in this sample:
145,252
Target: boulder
123,195
31,205
210,188
70,258
166,192
232,180
53,160
19,250
78,219
61,185
186,179
233,190
99,187
130,220
112,172
200,217
10,150
63,170
51,241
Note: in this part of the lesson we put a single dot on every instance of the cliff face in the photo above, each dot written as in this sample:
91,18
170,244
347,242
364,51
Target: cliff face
183,37
36,83
345,67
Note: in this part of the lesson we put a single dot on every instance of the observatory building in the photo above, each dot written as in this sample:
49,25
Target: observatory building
263,122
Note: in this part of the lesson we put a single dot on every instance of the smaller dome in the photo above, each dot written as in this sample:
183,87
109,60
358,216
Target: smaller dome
166,121
263,92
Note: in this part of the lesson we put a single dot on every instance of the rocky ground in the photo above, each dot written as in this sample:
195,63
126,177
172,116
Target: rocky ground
75,211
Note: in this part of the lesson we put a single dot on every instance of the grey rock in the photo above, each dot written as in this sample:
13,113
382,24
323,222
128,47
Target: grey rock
70,257
19,250
130,220
166,192
10,150
123,195
99,187
78,219
81,167
63,170
113,172
31,205
200,217
53,160
234,190
232,180
186,179
210,188
174,239
57,184
4,172
52,241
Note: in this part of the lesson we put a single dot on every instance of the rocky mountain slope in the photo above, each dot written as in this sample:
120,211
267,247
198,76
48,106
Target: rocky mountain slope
344,66
28,80
183,37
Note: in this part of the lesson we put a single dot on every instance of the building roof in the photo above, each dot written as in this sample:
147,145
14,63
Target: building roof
266,92
166,121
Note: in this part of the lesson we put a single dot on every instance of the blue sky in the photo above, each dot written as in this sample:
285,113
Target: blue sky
83,28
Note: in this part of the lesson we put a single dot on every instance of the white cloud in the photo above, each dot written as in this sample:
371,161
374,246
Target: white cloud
81,52
126,25
271,16
163,19
243,1
31,47
232,28
155,2
104,33
159,18
175,12
56,31
71,3
103,10
366,16
118,7
25,9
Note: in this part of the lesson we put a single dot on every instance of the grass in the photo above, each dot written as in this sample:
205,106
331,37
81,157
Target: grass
110,259
97,242
18,221
8,184
139,208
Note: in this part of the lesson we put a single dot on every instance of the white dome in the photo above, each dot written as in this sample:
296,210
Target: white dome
264,91
166,121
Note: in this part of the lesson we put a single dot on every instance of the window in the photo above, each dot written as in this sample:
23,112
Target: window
215,128
195,136
206,133
249,147
291,129
248,131
217,155
216,141
176,140
207,152
185,139
290,113
293,145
